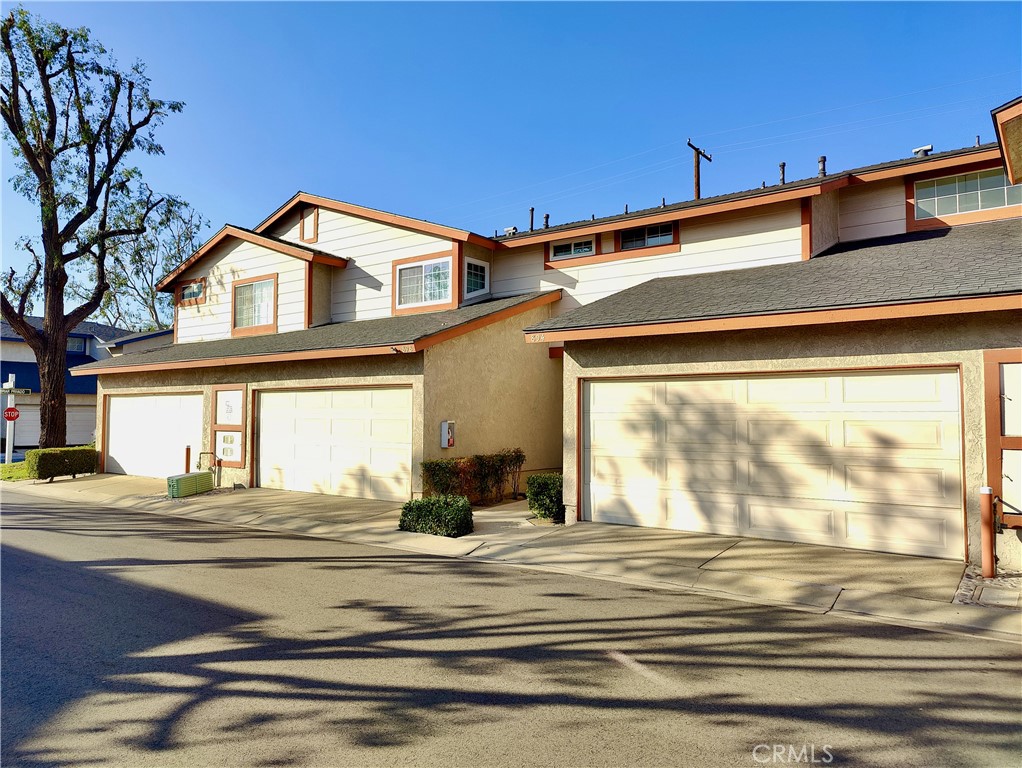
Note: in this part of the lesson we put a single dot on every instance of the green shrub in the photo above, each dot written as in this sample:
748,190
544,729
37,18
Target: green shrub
482,478
442,477
546,495
48,463
439,515
490,476
514,459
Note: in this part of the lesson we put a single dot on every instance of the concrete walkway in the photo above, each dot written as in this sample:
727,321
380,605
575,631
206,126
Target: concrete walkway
900,589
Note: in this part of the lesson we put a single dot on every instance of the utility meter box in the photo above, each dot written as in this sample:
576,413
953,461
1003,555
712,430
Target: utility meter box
189,484
446,434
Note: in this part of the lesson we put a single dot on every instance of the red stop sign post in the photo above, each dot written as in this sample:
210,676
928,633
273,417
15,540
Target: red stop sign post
11,414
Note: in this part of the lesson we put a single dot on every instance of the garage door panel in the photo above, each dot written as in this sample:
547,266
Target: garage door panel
708,430
352,442
822,458
792,520
703,512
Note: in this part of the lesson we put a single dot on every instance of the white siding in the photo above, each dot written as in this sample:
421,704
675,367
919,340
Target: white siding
16,352
237,260
363,290
872,210
773,235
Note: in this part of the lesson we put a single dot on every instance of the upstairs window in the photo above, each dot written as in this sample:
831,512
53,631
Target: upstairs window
965,193
428,282
477,277
254,302
75,344
571,250
192,292
646,237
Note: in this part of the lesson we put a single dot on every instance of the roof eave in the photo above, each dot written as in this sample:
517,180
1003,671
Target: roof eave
822,316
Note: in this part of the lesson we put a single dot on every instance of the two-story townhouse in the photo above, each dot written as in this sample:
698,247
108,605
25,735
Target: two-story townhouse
809,361
85,344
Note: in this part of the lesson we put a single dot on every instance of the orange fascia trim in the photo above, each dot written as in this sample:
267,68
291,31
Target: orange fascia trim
249,237
179,289
809,317
1000,118
995,441
308,294
937,164
416,225
807,229
254,330
454,255
327,354
677,215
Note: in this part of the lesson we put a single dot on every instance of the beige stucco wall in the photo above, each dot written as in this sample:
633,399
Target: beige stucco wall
376,370
500,391
951,341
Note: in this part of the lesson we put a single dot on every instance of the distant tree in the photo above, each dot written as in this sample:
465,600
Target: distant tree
72,119
137,263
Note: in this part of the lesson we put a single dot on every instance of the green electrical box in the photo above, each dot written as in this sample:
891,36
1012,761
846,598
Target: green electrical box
189,484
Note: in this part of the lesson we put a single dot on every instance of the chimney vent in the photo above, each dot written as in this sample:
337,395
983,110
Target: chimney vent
626,207
923,151
782,173
532,217
977,139
823,165
546,220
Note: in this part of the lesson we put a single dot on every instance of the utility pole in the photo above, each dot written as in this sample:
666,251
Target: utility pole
696,154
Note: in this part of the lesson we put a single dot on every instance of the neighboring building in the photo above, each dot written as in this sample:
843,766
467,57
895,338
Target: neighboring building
813,361
85,344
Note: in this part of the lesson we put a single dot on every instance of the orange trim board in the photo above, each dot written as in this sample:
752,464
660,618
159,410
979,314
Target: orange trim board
325,354
809,317
256,239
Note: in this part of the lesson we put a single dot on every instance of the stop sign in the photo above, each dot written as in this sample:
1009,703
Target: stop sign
11,414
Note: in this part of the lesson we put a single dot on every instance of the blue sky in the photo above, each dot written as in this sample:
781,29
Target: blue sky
467,113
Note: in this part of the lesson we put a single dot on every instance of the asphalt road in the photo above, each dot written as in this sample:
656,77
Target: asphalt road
137,640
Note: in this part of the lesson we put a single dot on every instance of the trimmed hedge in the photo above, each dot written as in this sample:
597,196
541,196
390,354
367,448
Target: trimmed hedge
481,478
48,463
546,495
449,516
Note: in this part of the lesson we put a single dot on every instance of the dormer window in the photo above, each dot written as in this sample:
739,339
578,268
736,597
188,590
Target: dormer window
965,193
254,306
75,344
424,283
571,250
477,278
647,237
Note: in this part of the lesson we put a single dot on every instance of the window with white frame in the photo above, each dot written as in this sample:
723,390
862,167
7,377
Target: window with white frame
253,304
964,193
477,277
646,237
193,291
428,282
571,250
75,344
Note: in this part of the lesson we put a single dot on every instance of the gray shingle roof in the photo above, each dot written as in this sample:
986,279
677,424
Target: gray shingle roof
387,331
965,261
99,330
747,193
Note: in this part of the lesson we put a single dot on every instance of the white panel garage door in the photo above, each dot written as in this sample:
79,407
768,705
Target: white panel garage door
866,460
81,424
147,434
348,442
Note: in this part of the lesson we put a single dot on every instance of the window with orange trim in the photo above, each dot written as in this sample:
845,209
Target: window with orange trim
965,193
253,304
647,237
424,283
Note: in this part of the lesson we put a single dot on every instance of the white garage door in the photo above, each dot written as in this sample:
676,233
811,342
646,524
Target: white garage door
147,434
861,460
81,424
349,442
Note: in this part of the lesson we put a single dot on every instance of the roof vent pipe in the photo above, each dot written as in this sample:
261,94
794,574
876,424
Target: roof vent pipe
546,220
782,173
532,217
977,139
923,151
626,207
823,165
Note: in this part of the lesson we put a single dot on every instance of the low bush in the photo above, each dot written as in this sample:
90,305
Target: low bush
546,495
48,463
449,516
482,478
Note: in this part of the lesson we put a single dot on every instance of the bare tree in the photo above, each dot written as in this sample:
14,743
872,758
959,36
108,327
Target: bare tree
72,119
136,264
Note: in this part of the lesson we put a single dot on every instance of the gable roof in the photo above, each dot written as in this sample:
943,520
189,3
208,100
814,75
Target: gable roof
133,337
403,334
85,328
372,214
1008,128
748,198
230,231
978,265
